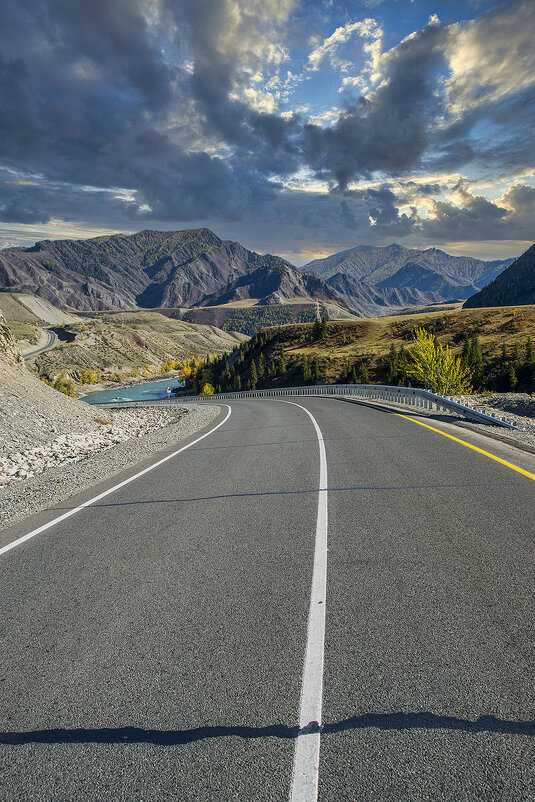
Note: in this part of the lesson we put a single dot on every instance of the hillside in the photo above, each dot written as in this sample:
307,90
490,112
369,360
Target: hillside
497,344
429,271
32,413
122,345
516,285
27,315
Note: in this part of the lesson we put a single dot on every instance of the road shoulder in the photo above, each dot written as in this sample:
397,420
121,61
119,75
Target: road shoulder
36,499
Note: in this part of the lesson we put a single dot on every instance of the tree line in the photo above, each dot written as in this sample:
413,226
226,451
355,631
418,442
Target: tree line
265,361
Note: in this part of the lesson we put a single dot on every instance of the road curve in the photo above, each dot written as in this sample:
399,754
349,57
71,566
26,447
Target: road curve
51,342
153,643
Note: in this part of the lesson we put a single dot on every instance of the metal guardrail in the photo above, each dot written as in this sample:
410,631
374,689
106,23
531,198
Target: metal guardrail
408,396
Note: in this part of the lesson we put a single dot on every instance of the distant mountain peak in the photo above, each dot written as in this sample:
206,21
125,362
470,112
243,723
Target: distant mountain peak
430,270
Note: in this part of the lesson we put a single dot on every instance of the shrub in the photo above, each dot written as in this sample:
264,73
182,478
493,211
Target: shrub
64,384
87,376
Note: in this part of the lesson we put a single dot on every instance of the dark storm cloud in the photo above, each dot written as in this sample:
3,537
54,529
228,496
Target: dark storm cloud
381,207
478,218
348,216
389,131
18,124
268,142
497,135
410,190
151,98
18,210
24,200
94,103
189,186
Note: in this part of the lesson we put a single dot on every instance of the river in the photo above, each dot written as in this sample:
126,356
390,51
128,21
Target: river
148,391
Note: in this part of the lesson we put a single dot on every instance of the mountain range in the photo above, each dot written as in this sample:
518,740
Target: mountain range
154,269
429,271
195,268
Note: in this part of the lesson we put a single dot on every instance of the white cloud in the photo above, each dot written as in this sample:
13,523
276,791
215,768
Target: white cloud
260,101
366,29
491,57
353,82
328,117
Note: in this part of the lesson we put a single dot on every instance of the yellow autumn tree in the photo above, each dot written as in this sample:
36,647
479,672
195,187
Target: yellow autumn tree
434,366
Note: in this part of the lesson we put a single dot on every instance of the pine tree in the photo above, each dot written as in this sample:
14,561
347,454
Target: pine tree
475,363
513,380
363,373
306,372
391,372
253,376
261,366
353,376
466,355
323,330
402,366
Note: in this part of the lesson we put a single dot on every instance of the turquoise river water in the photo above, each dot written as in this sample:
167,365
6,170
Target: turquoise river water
149,391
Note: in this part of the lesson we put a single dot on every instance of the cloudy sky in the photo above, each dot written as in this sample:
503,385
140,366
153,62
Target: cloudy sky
296,127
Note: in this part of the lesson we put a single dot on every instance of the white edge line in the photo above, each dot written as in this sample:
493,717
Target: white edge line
305,774
68,514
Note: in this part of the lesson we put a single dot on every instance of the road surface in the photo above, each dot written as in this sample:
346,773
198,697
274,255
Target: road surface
153,643
51,341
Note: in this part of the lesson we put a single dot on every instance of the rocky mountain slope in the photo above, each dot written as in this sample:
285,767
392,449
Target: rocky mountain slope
516,285
277,284
9,353
371,301
152,269
26,308
433,272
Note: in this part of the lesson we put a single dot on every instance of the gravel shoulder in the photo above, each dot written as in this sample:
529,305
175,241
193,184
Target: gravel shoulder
33,493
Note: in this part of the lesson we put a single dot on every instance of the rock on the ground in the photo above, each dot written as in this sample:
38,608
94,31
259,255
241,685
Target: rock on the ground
116,427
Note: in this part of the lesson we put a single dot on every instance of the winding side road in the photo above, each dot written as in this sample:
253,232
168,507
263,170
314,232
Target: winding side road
51,342
155,641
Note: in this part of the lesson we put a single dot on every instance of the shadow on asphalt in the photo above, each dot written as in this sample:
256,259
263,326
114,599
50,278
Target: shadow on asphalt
381,721
305,492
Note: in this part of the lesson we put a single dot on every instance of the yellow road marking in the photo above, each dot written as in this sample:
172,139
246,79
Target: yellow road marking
474,448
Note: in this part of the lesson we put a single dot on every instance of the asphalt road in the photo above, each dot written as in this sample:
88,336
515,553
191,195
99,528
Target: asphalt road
51,342
152,644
